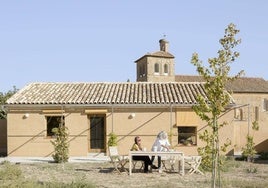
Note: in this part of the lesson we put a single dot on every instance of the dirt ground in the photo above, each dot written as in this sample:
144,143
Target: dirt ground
101,174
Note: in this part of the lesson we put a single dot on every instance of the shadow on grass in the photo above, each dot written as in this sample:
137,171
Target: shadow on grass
101,170
259,161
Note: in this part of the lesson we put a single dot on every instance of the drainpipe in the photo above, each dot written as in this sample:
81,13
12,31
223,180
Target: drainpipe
170,128
248,119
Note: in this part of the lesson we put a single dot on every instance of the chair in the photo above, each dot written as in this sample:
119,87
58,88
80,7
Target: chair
194,163
135,164
171,160
119,161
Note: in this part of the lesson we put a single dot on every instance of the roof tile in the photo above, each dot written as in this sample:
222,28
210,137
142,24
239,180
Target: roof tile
109,93
240,85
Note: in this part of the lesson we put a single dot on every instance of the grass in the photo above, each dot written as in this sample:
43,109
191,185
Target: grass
9,171
80,175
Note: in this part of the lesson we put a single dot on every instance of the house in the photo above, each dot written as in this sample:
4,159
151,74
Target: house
159,100
251,98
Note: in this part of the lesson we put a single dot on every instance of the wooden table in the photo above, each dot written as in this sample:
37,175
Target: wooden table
179,154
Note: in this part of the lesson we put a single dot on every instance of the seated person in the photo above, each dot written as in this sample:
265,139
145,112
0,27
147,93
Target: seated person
146,159
161,144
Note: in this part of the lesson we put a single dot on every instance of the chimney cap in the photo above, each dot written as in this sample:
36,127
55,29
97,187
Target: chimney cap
163,40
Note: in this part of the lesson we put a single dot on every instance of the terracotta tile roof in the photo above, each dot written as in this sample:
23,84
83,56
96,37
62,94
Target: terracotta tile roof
241,85
188,78
138,93
249,85
157,54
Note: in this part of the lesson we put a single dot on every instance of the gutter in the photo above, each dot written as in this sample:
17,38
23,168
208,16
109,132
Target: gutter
42,106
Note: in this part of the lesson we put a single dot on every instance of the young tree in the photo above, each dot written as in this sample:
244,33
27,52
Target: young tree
211,108
3,99
249,150
61,145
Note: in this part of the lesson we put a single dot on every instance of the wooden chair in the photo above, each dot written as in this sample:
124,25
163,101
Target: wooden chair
118,161
137,165
194,163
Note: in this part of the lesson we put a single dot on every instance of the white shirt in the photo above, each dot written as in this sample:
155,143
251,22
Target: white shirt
159,143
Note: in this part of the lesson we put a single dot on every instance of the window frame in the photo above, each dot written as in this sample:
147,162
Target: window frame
50,125
157,68
256,113
166,69
265,105
187,137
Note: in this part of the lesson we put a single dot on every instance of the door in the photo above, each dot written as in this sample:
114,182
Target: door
96,133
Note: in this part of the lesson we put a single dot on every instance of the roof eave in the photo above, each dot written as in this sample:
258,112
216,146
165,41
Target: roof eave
152,55
40,106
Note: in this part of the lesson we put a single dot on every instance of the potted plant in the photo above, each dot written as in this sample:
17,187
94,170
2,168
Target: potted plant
112,141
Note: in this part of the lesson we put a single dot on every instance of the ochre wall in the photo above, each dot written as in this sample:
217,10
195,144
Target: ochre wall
242,128
145,124
27,136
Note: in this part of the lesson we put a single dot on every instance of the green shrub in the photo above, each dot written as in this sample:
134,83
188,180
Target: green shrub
112,139
249,150
251,169
61,145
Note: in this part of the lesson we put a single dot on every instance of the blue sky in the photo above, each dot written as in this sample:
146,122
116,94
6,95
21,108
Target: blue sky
98,41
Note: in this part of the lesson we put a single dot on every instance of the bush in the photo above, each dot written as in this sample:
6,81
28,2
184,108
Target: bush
112,139
61,145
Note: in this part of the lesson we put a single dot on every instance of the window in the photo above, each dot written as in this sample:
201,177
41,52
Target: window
240,114
165,69
265,105
236,114
53,122
187,135
156,68
141,72
256,110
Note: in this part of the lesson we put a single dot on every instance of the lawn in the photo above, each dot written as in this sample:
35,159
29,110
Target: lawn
236,174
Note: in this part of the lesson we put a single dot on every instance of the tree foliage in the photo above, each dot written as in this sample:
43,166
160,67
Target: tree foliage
61,145
3,99
211,108
249,150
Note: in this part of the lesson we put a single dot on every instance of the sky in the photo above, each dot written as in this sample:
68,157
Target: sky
99,41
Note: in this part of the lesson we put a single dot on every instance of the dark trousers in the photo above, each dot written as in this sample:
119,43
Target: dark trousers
146,159
158,161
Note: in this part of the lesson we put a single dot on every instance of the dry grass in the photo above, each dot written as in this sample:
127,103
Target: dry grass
237,174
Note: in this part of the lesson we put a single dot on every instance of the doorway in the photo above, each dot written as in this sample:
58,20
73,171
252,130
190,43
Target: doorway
96,133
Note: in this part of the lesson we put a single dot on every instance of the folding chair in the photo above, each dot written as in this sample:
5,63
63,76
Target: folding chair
119,161
164,159
171,160
194,163
137,166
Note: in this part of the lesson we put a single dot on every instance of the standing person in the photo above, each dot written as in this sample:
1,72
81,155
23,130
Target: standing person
147,161
161,144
